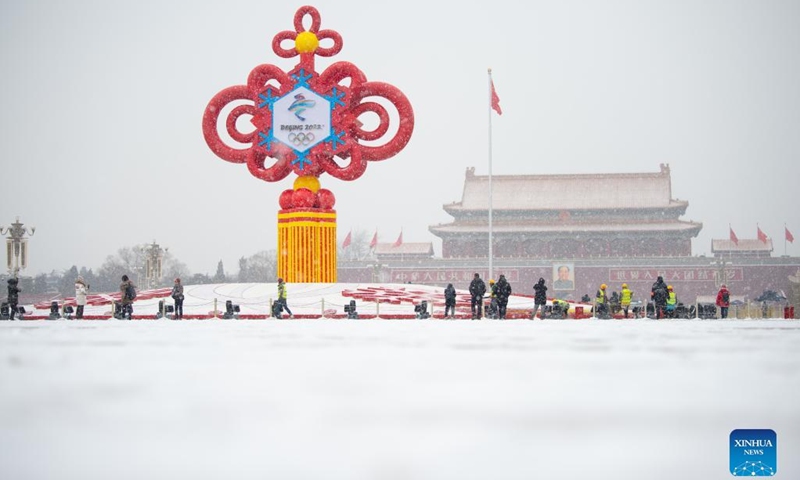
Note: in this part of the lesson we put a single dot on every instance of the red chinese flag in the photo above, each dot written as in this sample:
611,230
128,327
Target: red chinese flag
496,100
761,235
789,236
374,241
399,240
347,239
734,239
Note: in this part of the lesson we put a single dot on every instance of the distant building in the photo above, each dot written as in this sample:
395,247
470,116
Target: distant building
568,217
404,251
746,247
578,231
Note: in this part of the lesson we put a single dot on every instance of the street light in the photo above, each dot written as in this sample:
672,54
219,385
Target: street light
720,276
17,246
377,271
154,257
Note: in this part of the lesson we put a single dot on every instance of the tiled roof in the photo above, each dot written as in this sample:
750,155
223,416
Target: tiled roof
569,228
565,192
404,249
745,245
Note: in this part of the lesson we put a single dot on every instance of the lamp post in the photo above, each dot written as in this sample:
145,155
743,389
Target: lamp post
17,246
377,272
720,276
153,260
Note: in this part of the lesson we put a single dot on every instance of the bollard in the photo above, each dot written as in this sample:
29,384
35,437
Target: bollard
215,308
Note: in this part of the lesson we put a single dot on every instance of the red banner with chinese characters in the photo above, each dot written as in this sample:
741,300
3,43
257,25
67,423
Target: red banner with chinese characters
702,274
435,275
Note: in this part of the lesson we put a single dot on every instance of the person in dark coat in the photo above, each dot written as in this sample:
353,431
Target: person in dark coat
126,301
13,296
502,291
476,290
450,301
177,296
539,298
659,294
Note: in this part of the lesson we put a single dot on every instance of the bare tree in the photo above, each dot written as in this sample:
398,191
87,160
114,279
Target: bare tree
130,261
260,267
172,269
358,248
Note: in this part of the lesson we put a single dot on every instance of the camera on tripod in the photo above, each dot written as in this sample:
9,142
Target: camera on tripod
231,310
422,310
350,309
54,314
164,310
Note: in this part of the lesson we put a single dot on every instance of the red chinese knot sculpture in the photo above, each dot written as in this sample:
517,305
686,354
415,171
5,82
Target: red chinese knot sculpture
307,122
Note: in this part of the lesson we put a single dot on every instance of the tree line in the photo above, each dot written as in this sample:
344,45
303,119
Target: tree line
259,267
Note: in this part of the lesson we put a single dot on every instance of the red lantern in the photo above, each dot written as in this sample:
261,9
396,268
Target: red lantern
285,200
303,198
326,199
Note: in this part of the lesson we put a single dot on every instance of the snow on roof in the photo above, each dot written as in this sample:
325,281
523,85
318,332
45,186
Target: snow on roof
744,245
425,248
574,191
572,228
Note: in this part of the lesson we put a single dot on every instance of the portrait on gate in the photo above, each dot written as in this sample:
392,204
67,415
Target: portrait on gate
563,276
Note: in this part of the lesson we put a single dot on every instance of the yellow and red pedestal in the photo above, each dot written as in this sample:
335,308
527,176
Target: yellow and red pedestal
307,233
307,245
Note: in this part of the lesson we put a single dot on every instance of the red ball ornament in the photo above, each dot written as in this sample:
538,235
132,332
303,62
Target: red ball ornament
303,198
326,199
285,200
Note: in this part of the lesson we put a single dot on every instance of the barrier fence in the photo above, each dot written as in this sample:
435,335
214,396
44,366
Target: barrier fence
372,310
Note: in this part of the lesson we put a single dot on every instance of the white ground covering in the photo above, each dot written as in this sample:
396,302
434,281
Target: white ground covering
392,399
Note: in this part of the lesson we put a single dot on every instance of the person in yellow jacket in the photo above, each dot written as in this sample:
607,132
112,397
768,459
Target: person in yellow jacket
625,297
492,309
601,300
672,302
282,300
560,308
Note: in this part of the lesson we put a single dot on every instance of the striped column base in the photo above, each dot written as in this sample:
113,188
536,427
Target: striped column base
307,245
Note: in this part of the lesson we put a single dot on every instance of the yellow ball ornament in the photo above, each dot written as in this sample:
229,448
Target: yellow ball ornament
307,181
306,42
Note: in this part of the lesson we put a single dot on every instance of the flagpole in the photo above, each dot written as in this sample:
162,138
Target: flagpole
489,105
784,239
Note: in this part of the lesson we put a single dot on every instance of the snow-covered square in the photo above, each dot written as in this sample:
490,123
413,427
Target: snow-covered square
392,399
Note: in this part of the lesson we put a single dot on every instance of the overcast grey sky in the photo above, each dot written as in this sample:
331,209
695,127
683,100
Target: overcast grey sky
102,105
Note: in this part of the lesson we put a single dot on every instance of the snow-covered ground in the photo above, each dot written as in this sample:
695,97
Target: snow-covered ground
392,399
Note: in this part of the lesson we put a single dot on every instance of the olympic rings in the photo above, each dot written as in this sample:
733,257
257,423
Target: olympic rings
301,138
